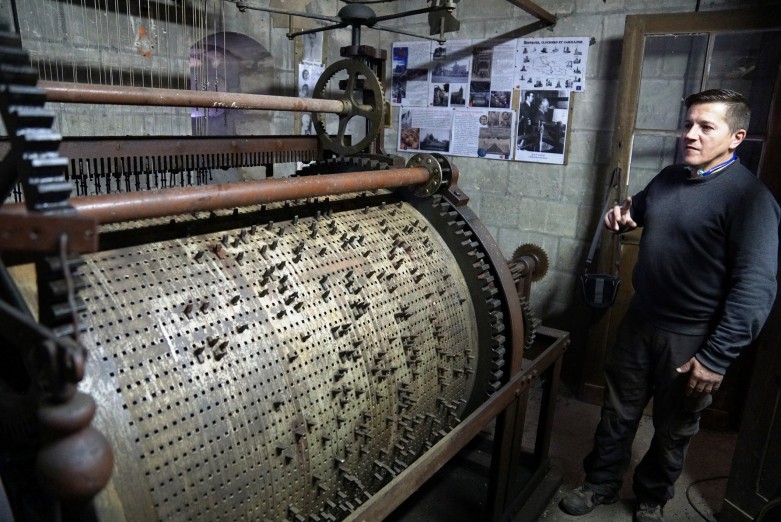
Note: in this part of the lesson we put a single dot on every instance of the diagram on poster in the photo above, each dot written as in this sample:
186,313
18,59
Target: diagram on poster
551,63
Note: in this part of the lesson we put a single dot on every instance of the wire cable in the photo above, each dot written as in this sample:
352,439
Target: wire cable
691,503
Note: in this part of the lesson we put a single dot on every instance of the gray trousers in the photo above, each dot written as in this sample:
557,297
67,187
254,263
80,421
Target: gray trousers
642,366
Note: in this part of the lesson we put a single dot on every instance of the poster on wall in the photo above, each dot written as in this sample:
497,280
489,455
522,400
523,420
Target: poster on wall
485,77
491,80
425,130
542,126
551,63
484,133
410,77
312,48
308,74
450,62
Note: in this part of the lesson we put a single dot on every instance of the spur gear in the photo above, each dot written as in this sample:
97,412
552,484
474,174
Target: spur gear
331,85
538,254
530,323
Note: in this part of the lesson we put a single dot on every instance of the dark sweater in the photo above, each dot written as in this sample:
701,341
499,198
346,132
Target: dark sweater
708,257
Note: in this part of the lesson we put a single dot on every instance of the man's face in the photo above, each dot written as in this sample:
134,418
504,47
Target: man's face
706,138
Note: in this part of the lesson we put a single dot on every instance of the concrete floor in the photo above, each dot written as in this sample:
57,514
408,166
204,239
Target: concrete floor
709,456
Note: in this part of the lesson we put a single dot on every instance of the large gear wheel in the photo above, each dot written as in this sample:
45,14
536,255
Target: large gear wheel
360,78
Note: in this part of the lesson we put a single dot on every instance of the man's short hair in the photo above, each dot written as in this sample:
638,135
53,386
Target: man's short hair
738,110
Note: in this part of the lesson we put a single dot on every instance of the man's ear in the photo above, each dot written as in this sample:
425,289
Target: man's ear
737,139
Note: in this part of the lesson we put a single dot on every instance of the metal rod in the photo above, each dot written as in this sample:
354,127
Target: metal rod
128,206
124,95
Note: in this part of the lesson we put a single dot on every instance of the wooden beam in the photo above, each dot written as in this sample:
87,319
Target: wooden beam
534,10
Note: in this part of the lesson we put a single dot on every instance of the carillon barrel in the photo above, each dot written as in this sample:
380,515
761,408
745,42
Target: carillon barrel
283,362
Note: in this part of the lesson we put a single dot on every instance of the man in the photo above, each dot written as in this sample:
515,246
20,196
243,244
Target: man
525,112
541,116
704,283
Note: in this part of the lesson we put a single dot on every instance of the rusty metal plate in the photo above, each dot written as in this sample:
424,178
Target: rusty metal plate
278,371
34,232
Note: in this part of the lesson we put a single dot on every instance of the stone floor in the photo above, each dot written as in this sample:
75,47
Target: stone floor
709,456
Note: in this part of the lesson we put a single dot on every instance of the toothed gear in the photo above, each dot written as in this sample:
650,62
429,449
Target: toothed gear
481,276
357,72
539,255
35,161
530,323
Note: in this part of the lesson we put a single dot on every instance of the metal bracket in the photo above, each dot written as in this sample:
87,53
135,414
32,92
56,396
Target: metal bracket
33,232
439,168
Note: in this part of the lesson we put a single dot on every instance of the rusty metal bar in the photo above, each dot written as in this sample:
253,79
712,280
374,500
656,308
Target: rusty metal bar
124,95
115,208
408,481
33,232
75,147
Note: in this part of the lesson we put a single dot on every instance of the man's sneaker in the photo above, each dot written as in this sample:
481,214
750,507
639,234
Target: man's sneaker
648,512
583,500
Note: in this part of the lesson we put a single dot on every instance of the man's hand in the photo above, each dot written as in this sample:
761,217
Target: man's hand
701,379
619,219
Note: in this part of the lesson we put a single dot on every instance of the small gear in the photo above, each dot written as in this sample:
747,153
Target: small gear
538,254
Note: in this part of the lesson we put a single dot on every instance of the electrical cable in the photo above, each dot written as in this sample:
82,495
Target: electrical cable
769,507
691,503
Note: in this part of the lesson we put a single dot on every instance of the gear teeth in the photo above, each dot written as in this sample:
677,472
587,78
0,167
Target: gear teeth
42,173
25,95
530,323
